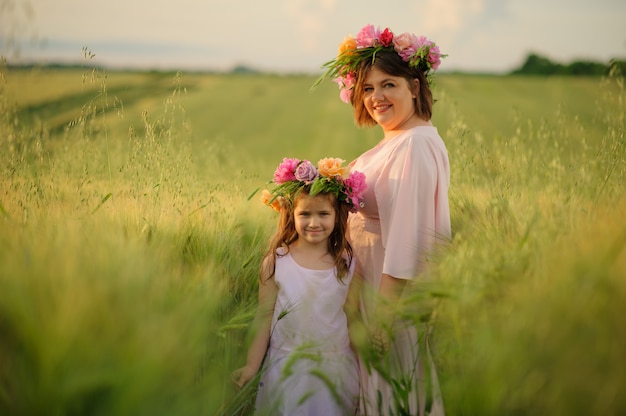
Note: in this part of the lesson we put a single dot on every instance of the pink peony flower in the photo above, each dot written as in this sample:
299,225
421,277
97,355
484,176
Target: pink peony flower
285,171
423,41
434,57
346,95
346,83
306,172
356,185
349,79
406,45
368,36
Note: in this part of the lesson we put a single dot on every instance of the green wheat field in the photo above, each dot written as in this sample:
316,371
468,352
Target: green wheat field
129,243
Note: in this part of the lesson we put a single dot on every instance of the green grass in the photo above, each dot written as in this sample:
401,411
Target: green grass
129,248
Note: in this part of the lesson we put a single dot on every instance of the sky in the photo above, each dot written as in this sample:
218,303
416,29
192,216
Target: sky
300,35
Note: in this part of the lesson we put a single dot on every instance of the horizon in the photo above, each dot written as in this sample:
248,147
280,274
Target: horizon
244,68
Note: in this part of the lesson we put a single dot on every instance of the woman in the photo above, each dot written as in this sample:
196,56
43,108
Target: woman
405,213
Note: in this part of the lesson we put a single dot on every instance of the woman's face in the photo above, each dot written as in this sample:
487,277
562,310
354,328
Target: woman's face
388,99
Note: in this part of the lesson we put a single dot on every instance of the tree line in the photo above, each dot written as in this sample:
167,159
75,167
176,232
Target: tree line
540,65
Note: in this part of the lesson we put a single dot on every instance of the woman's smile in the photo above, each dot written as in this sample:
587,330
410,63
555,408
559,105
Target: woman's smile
381,108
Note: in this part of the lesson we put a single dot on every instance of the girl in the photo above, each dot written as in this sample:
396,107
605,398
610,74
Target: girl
309,367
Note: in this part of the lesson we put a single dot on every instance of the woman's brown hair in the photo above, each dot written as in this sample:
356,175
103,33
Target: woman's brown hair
391,63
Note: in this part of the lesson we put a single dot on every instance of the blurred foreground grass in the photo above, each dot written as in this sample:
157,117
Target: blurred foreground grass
129,248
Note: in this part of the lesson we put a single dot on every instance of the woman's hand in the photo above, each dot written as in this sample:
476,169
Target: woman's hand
381,341
390,292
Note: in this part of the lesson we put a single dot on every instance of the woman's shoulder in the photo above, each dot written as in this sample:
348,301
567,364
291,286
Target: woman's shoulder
420,138
421,134
421,148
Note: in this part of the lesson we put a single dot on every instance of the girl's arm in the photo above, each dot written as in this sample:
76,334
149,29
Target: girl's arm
262,325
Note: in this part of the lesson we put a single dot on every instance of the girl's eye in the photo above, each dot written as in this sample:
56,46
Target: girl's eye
389,84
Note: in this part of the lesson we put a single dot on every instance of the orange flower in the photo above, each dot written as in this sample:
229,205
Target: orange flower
266,197
331,167
348,44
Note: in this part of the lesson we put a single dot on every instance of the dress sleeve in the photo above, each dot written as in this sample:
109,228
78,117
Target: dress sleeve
412,198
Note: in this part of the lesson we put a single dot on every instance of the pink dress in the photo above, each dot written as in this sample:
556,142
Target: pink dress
405,214
310,368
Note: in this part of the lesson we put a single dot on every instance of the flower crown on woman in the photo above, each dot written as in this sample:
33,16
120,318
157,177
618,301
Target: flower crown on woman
416,51
293,175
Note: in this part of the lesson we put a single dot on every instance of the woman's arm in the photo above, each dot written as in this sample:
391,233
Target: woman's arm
356,329
389,292
407,196
391,289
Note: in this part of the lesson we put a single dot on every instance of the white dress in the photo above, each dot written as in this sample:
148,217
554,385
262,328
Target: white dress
405,215
309,368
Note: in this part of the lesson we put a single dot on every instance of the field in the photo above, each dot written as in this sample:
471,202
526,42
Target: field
129,245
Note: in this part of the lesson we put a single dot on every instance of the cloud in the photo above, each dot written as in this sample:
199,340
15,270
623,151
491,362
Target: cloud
302,34
309,17
449,15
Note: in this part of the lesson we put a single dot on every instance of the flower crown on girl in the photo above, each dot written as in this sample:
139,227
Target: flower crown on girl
416,51
292,175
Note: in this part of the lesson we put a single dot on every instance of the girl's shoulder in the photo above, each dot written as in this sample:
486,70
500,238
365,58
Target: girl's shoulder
272,259
350,262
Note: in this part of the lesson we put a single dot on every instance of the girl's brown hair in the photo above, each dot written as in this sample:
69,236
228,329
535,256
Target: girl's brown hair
338,246
391,63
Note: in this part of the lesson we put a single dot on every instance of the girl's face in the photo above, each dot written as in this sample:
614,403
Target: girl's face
314,218
388,99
